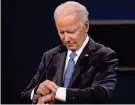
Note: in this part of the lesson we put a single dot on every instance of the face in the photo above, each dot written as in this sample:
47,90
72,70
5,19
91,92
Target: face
71,31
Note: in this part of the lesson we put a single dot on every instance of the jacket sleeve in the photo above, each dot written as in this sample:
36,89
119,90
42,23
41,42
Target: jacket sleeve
102,86
26,94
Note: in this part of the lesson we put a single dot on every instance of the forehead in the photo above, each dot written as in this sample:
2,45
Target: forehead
64,20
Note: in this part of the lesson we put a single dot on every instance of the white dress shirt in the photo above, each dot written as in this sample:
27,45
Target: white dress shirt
61,92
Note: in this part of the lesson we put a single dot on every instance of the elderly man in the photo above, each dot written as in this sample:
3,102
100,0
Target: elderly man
83,72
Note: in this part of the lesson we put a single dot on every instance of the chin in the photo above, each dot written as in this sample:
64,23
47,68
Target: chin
72,48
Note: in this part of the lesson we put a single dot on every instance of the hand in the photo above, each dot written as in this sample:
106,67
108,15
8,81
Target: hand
46,87
49,98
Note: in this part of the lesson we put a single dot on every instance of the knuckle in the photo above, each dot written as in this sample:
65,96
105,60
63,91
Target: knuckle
53,83
44,83
46,80
40,85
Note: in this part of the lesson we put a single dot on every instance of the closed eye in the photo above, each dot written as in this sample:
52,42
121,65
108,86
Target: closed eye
61,32
71,32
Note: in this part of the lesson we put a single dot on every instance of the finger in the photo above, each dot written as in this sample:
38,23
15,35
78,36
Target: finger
50,87
56,86
47,98
47,90
52,83
40,91
39,101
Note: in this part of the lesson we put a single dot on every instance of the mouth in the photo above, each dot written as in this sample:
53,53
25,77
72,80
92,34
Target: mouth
69,45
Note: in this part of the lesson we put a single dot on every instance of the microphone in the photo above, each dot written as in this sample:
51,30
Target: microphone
60,49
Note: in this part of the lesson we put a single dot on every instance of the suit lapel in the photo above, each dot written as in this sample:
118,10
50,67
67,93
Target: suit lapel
61,58
85,56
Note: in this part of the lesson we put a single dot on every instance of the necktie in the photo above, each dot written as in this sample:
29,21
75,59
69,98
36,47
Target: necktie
69,70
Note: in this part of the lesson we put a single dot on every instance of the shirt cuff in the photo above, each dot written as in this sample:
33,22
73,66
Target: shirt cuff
61,94
32,94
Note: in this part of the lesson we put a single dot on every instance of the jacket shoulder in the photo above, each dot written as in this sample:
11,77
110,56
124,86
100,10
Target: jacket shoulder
102,49
104,52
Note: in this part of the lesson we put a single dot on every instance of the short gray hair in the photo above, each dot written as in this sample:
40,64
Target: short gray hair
70,7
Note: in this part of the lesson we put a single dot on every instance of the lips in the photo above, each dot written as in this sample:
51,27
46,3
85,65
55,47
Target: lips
69,45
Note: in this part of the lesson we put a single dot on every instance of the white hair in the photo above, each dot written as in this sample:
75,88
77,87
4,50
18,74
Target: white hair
71,7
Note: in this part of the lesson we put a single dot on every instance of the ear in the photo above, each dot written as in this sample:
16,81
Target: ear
86,26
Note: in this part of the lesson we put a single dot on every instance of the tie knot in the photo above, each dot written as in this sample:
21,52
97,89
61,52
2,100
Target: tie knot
73,55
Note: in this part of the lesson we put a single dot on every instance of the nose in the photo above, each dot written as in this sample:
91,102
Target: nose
66,37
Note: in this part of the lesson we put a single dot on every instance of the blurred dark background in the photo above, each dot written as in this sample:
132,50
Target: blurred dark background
28,30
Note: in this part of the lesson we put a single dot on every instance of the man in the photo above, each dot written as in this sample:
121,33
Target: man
83,72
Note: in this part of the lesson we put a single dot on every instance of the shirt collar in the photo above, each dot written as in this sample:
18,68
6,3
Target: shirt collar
78,52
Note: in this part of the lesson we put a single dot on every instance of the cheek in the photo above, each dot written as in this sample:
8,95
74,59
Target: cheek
74,38
78,38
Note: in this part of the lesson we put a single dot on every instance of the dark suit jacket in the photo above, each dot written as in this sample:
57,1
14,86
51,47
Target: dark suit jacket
94,77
